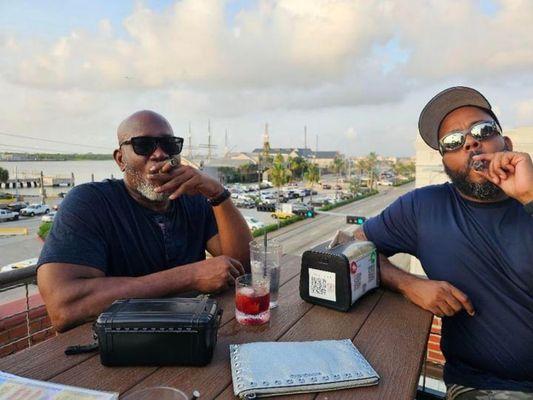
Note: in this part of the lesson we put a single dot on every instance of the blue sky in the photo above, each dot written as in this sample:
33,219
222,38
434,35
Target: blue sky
54,18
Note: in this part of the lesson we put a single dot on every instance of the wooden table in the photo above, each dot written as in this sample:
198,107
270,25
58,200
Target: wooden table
388,330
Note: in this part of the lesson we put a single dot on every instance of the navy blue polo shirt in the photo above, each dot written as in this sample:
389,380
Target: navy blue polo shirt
101,226
485,250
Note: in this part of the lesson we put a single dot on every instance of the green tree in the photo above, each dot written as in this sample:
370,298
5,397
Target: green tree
312,176
369,166
405,170
4,175
279,175
338,165
297,165
355,186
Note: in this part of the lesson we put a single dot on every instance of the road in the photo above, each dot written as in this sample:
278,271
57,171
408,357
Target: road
306,234
296,238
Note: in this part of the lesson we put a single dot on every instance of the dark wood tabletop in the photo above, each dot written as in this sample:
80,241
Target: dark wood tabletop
388,330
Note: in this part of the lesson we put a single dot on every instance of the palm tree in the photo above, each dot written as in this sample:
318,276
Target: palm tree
406,170
278,173
368,165
297,165
312,176
338,165
4,175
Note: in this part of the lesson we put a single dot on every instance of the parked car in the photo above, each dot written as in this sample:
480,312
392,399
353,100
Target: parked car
281,215
49,217
302,209
17,206
253,223
35,209
346,195
326,186
320,201
6,215
244,203
384,183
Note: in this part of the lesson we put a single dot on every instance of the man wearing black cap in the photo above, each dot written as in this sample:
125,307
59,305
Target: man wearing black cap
474,239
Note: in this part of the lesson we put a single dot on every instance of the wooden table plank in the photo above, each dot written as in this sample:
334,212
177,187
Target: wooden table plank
377,324
124,378
322,324
394,321
215,377
47,359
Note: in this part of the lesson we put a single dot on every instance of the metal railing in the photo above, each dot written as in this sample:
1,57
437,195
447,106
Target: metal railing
10,280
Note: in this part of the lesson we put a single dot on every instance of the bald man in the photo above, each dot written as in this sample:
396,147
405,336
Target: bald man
144,236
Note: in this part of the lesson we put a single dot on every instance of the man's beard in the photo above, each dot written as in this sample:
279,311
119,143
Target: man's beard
481,191
143,187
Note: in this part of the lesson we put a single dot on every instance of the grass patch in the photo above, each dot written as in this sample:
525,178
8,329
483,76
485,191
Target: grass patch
348,201
44,230
405,181
274,227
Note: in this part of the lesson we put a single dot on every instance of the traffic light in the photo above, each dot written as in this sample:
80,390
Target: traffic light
357,220
309,214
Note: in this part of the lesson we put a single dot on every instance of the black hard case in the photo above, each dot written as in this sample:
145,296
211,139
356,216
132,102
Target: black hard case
173,331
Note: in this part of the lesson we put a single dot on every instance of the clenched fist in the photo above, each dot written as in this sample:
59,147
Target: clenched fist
439,297
216,274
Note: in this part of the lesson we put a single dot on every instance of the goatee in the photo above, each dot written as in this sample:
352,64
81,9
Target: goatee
485,191
143,187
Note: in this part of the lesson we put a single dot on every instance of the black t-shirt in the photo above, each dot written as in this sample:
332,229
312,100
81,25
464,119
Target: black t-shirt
101,226
486,251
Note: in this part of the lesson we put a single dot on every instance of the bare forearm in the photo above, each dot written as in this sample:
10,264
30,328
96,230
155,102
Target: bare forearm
393,277
233,232
83,299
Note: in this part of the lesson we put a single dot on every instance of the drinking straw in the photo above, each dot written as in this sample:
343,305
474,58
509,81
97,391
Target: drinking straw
265,244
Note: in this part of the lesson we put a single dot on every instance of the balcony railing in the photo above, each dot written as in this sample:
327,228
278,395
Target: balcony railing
23,321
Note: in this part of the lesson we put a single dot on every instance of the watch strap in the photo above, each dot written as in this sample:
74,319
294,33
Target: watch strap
215,201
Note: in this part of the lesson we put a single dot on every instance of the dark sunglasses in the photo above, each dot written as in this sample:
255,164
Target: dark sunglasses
480,131
146,145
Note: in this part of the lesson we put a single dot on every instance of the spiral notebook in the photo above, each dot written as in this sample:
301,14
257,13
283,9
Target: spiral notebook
265,369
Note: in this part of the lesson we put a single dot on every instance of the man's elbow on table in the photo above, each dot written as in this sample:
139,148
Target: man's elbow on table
59,286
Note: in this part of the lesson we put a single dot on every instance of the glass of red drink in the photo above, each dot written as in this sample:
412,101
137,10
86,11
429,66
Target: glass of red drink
252,300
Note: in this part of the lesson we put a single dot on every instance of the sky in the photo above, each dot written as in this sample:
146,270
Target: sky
355,73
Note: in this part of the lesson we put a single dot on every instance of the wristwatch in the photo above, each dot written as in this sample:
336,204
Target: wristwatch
529,208
215,201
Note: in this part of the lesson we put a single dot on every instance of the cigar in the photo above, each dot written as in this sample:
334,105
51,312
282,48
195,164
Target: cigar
479,165
174,161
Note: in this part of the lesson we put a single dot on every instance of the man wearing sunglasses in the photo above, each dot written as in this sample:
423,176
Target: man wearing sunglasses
144,236
474,239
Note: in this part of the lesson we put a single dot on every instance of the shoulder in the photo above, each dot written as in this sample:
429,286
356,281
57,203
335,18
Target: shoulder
431,193
89,195
94,190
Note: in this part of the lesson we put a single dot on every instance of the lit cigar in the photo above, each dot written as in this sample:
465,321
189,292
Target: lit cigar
479,165
175,161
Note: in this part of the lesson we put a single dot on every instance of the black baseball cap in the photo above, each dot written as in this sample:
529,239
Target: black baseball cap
444,103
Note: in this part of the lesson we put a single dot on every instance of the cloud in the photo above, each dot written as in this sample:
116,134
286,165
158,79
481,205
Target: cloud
277,58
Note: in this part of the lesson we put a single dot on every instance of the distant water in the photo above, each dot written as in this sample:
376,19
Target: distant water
82,171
